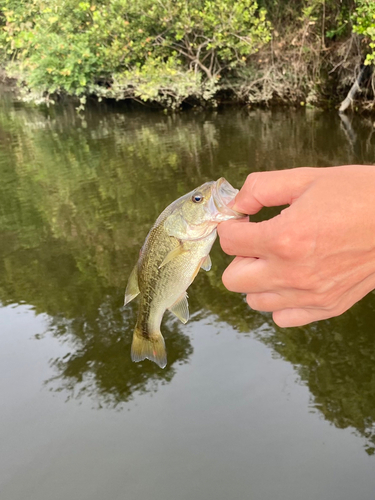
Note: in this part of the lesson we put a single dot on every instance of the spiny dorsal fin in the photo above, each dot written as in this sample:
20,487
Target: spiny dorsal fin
181,308
132,288
173,254
206,264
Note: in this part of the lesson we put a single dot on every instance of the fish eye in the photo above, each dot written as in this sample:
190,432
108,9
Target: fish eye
197,198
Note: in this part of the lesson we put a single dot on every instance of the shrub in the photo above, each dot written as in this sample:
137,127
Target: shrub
153,49
364,24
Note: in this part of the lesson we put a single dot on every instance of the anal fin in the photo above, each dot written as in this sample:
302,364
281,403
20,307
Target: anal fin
181,308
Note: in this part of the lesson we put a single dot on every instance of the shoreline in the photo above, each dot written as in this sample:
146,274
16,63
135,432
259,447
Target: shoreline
221,99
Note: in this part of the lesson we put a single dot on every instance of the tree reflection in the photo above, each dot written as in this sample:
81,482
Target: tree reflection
336,359
77,197
99,364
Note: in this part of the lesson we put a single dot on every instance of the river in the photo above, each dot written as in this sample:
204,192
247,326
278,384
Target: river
244,409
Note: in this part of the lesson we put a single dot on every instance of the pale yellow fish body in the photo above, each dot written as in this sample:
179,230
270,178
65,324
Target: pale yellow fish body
177,246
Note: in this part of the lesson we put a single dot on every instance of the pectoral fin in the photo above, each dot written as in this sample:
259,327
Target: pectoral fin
132,288
206,264
173,254
181,308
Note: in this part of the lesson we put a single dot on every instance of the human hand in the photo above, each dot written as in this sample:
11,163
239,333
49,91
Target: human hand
317,257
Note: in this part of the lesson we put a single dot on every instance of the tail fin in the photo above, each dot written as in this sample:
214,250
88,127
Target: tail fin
152,348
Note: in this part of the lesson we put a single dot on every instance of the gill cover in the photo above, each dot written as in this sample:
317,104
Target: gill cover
190,220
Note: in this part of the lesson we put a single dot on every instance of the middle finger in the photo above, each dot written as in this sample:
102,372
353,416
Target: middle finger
250,275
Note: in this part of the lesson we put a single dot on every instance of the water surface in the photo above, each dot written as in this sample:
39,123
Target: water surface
243,409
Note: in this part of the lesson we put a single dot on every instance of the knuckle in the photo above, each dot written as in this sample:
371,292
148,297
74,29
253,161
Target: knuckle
335,304
303,278
335,309
284,245
317,300
330,293
294,244
330,300
324,299
253,181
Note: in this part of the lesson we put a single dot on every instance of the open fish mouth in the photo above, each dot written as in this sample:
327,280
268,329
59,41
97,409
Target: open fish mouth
223,194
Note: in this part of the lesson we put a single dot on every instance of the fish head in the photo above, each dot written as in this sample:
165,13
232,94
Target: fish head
196,214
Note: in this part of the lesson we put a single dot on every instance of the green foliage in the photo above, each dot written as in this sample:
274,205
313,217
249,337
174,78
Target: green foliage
164,81
364,24
329,17
153,50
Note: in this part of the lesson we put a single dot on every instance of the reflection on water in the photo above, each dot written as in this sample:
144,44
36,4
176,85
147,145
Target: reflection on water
336,359
79,194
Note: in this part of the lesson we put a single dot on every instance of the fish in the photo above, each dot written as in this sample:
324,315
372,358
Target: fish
175,249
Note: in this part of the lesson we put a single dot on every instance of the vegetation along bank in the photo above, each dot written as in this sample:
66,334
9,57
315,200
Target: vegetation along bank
189,52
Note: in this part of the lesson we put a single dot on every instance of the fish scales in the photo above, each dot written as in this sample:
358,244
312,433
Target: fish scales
186,265
176,247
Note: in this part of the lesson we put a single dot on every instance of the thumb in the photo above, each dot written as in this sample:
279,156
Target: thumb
272,189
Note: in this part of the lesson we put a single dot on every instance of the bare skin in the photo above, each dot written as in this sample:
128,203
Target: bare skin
314,260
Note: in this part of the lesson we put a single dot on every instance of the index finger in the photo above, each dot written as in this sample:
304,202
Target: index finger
272,189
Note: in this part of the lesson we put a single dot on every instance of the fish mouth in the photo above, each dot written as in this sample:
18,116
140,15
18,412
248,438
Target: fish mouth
223,194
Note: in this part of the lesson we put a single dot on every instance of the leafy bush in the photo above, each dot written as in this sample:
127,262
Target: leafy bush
164,81
154,50
364,24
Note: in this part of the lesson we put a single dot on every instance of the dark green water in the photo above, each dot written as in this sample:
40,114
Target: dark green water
243,410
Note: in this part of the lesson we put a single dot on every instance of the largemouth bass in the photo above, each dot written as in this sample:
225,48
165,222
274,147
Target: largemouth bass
176,247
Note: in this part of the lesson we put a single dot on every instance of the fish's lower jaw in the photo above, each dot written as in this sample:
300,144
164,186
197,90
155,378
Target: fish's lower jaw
152,348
